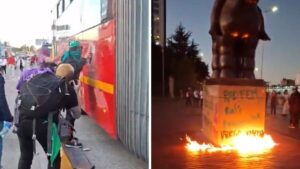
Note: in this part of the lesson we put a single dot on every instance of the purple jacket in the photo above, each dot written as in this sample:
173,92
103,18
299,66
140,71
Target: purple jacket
29,73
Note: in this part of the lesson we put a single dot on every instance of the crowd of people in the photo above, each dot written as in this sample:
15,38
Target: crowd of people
42,94
12,63
193,97
290,104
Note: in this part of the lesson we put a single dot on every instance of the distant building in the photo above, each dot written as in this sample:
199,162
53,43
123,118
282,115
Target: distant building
41,41
159,21
287,82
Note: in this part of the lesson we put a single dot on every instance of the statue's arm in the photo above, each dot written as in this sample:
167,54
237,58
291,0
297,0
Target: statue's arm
215,17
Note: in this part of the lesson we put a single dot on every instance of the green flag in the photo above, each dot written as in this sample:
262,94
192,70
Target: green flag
55,143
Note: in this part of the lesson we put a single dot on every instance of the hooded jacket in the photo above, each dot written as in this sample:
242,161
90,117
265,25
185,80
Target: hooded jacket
5,114
294,102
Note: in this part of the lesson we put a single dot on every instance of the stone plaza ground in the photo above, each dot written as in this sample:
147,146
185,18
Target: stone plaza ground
172,120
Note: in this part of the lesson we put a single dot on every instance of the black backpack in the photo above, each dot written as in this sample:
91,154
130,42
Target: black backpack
41,95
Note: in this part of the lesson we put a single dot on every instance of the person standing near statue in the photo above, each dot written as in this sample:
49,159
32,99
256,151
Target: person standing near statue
294,103
196,95
285,109
188,96
273,103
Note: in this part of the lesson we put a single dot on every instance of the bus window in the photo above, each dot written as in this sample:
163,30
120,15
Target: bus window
106,10
90,13
104,4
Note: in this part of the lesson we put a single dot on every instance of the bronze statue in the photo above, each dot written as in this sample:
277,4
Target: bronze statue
236,27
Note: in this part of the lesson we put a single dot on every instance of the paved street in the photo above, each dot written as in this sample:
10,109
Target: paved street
105,153
172,120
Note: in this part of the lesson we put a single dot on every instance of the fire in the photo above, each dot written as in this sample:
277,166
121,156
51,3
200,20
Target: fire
244,144
253,144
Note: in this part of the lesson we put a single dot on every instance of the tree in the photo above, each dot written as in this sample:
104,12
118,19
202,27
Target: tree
32,48
183,62
193,50
201,69
24,48
178,43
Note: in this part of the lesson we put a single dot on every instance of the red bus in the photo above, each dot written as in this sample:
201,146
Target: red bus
114,83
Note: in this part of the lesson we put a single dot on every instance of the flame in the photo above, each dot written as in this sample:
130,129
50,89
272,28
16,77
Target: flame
243,144
253,144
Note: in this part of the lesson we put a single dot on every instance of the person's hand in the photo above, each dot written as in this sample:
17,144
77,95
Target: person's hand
14,129
7,124
76,85
5,128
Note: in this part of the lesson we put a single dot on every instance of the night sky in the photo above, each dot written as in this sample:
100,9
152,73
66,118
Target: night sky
281,54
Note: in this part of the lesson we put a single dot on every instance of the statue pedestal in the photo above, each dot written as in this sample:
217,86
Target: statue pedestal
232,107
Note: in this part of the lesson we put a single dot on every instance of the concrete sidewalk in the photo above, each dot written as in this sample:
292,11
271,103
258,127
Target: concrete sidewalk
279,124
105,153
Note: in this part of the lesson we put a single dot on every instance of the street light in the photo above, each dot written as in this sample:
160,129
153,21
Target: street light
53,28
256,71
273,9
201,54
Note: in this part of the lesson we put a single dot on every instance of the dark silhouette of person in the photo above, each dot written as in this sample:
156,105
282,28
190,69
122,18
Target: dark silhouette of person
21,65
25,128
188,96
5,115
294,103
273,103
